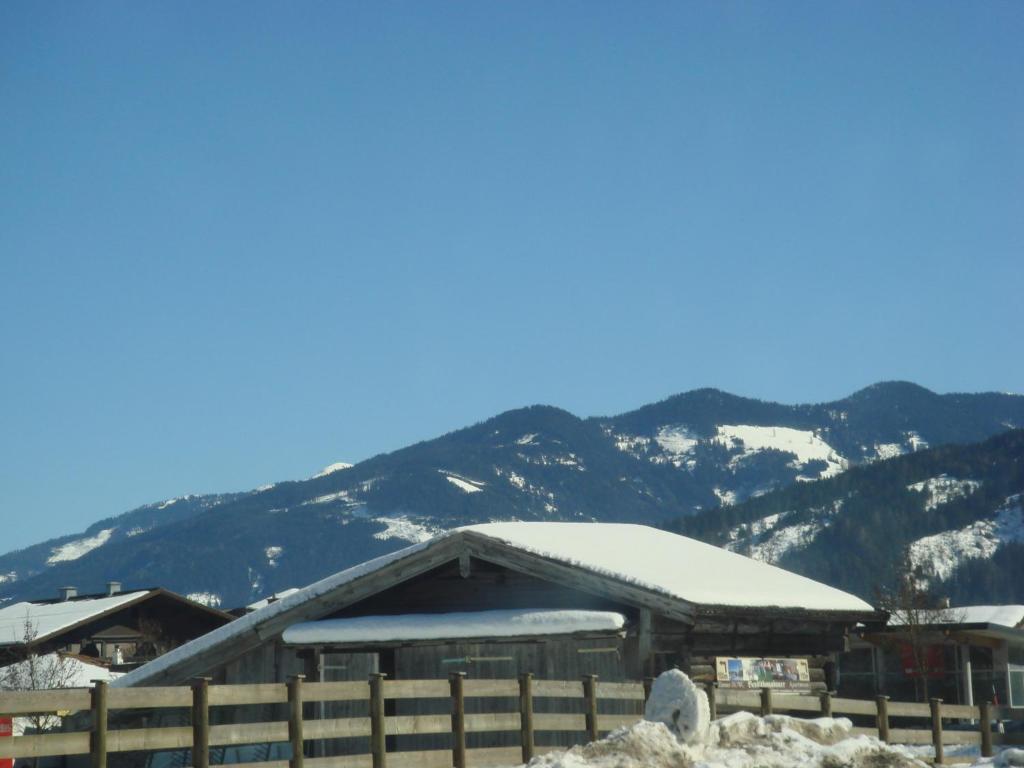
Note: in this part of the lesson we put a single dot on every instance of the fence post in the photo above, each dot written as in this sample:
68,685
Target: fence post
986,728
378,744
826,703
882,705
526,714
295,720
648,683
458,719
98,739
201,722
709,688
766,701
590,702
936,705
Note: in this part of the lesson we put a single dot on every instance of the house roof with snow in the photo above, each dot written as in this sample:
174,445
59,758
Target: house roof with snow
634,564
47,619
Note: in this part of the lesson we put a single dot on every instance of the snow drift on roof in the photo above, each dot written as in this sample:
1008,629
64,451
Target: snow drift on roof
439,626
671,564
47,618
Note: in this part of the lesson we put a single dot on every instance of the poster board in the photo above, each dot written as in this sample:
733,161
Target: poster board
744,672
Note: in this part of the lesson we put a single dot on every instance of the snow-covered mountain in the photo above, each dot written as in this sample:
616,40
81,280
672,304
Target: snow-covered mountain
952,514
692,452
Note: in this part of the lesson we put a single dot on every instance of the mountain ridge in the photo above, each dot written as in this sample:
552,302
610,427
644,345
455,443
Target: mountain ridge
705,448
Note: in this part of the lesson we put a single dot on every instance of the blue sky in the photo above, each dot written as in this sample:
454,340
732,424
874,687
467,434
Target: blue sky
239,241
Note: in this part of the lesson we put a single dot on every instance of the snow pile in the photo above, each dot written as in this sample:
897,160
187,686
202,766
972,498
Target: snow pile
442,626
273,553
937,556
75,549
804,444
943,489
1009,757
680,705
676,734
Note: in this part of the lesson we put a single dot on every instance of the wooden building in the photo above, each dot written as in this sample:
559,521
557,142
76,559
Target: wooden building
556,599
971,654
122,629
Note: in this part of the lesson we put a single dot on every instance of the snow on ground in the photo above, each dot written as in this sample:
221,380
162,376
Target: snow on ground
675,733
755,528
943,489
440,626
75,549
9,576
527,439
209,599
915,441
806,445
940,554
330,469
462,483
136,531
404,528
273,553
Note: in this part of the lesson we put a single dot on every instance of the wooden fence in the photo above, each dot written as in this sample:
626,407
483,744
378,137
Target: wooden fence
98,741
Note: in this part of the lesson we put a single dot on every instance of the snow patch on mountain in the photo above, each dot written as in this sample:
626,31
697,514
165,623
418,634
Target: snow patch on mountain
884,451
273,553
405,529
939,555
529,439
76,549
806,445
943,489
784,540
726,498
8,577
330,469
209,599
342,496
462,483
677,442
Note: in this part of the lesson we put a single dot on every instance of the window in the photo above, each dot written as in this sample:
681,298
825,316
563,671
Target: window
1016,675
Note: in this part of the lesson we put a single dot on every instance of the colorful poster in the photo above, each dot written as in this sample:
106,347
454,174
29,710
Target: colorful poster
738,672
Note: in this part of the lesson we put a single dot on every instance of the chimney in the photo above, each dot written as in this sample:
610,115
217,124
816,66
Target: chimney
66,593
113,587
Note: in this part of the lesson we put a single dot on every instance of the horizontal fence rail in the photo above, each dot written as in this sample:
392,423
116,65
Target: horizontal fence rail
378,725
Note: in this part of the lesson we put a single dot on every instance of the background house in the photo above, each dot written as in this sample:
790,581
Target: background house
972,654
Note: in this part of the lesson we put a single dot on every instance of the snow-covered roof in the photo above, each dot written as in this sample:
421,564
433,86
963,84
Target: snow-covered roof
1003,615
48,618
271,599
671,564
439,626
647,558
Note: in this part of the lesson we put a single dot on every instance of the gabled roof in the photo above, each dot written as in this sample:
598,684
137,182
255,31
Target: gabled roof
634,564
50,618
